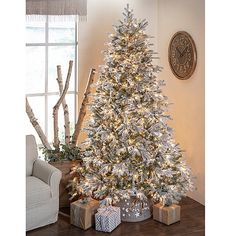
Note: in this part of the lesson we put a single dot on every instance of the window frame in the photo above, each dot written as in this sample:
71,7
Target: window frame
46,93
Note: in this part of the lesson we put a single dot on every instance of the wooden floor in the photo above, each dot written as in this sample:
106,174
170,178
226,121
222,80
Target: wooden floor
192,224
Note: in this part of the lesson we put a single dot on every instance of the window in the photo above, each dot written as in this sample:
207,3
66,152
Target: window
49,44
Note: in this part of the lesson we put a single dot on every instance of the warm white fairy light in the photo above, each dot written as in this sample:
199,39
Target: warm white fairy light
130,148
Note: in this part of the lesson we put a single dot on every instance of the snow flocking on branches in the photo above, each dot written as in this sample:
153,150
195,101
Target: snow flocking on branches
130,150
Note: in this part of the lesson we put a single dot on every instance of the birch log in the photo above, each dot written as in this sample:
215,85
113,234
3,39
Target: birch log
82,111
56,107
36,126
65,106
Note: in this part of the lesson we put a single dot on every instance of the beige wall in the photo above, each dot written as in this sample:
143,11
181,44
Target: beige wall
165,17
188,96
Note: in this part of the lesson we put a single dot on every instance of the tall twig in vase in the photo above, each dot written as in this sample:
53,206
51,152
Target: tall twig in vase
56,141
64,105
36,125
82,111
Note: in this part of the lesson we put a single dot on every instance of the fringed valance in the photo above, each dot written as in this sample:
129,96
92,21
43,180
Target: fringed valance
56,9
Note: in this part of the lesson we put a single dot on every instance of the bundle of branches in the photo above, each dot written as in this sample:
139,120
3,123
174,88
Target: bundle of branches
69,150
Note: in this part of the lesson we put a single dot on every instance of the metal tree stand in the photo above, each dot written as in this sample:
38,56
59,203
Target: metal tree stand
135,210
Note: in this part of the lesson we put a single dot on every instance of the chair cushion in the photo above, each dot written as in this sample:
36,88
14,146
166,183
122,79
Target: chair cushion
37,192
31,153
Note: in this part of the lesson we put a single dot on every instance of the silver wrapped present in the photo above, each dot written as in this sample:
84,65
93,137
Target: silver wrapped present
107,218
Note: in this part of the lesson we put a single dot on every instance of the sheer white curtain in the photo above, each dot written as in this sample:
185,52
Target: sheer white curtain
58,9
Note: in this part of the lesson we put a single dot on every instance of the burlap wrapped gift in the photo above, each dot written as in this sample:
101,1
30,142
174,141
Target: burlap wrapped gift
82,213
166,214
107,218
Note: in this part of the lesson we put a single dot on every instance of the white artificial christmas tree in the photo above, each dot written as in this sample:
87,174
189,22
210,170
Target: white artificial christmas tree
130,150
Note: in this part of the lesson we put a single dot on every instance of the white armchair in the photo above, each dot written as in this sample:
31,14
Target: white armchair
42,188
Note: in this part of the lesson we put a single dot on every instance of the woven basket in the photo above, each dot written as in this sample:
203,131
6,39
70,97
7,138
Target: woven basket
134,210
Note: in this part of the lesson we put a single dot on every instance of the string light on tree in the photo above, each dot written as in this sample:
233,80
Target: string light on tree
130,150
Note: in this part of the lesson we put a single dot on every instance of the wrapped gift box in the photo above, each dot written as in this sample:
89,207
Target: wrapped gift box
166,214
82,213
107,218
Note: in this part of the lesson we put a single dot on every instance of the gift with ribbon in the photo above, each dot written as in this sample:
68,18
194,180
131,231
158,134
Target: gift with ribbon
82,213
107,218
166,214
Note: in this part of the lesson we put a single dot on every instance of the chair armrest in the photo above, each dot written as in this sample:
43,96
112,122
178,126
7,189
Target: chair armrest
48,174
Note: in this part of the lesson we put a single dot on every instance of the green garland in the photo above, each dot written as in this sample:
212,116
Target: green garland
65,152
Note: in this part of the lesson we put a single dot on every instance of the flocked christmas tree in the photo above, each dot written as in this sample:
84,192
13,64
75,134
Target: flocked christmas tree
130,150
